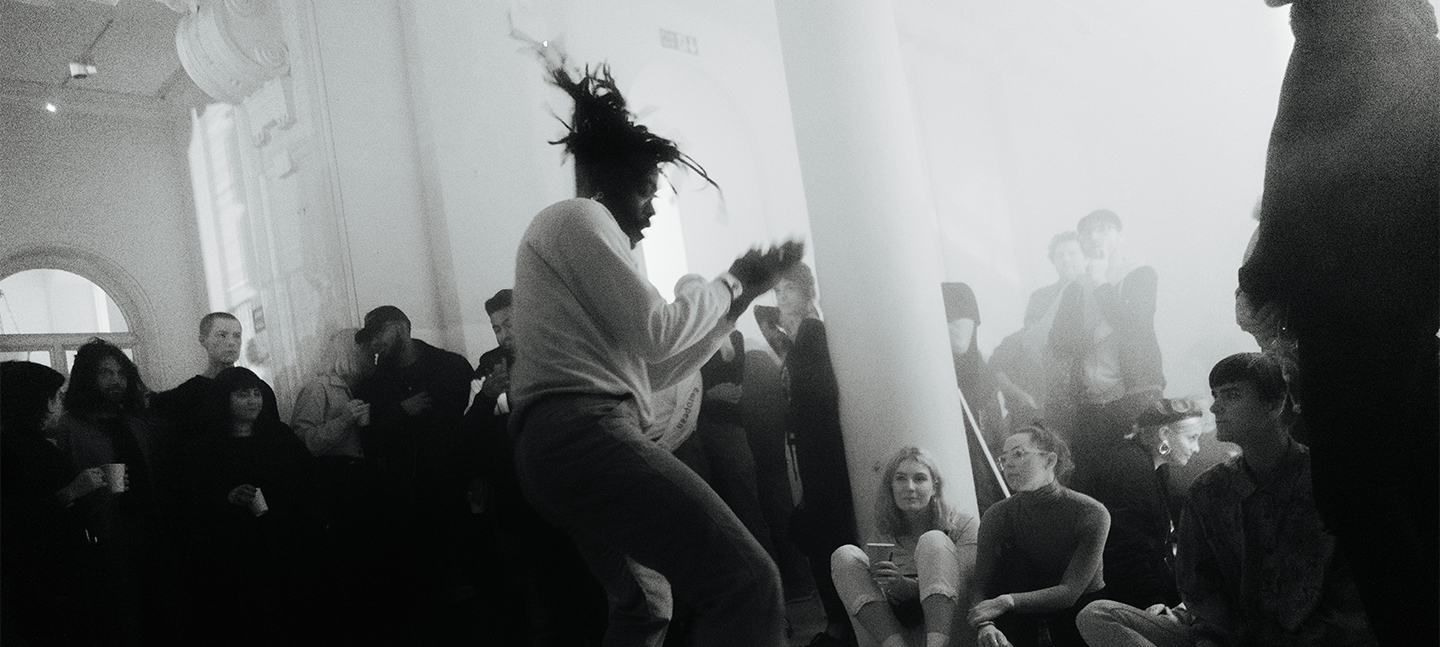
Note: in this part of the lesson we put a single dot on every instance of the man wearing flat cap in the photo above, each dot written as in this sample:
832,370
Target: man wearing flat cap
1104,331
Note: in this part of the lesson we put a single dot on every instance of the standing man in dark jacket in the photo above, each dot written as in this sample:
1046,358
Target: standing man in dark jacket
417,397
565,605
1344,279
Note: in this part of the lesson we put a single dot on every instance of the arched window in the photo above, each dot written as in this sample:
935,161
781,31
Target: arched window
47,314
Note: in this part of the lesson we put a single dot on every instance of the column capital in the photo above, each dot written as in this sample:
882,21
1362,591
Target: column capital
230,48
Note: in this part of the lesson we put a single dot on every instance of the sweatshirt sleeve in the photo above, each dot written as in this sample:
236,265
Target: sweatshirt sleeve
595,257
309,423
671,370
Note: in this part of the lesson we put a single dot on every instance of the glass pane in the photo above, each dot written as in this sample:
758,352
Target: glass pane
56,301
37,356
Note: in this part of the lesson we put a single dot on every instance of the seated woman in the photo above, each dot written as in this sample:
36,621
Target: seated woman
1134,485
248,479
1039,557
917,591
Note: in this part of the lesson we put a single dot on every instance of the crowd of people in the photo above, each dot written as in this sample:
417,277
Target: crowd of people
620,470
1247,561
198,516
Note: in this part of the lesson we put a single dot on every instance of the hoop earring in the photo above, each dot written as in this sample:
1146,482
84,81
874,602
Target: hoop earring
1164,448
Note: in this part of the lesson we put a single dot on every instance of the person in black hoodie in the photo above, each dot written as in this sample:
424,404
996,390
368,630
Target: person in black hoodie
42,531
249,501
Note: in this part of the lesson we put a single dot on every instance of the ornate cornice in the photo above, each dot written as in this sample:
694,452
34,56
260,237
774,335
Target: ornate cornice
231,48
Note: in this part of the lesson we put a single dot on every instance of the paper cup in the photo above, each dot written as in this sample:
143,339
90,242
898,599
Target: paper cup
258,505
880,552
115,476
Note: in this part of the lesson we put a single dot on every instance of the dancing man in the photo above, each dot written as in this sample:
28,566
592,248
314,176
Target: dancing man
592,339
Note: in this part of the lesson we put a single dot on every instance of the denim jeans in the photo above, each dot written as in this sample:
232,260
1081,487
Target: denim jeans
938,566
585,465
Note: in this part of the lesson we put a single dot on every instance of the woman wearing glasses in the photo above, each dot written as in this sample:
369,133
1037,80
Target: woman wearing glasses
1040,551
913,583
1134,485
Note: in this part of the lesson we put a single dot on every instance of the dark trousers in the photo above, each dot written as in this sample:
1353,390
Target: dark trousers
1370,399
720,453
1026,629
586,466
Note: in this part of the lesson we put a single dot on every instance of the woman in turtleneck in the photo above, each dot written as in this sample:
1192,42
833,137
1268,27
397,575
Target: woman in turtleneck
1039,559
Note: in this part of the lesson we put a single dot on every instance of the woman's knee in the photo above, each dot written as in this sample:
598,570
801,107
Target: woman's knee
1097,615
937,555
848,557
934,541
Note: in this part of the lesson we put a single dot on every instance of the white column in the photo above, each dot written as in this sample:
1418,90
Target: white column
877,250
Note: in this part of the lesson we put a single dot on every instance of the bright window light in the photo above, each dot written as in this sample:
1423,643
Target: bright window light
664,243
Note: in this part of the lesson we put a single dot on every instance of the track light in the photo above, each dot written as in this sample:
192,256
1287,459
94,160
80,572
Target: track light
81,70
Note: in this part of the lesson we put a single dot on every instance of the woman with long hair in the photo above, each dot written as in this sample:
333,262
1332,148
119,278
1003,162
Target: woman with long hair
1039,556
916,586
106,423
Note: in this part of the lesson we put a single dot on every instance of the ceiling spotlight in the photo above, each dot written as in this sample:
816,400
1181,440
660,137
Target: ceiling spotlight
81,70
50,107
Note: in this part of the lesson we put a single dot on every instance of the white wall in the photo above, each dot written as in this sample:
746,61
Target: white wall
484,115
1037,113
116,191
362,78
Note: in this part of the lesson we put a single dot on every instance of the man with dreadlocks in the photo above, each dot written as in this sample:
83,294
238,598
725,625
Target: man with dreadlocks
593,338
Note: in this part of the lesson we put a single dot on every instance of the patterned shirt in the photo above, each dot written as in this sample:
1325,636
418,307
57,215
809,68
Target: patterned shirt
1255,564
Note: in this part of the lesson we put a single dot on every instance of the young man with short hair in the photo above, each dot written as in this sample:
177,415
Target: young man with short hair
1254,564
221,336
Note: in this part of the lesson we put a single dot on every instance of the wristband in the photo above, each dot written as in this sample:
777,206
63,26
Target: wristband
733,284
987,623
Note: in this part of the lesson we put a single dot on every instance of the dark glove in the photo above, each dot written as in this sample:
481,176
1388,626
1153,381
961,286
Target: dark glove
758,273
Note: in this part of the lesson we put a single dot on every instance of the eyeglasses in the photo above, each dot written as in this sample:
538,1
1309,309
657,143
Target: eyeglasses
1015,454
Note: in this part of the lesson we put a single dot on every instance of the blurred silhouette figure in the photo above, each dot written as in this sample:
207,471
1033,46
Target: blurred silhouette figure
1345,267
1104,333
